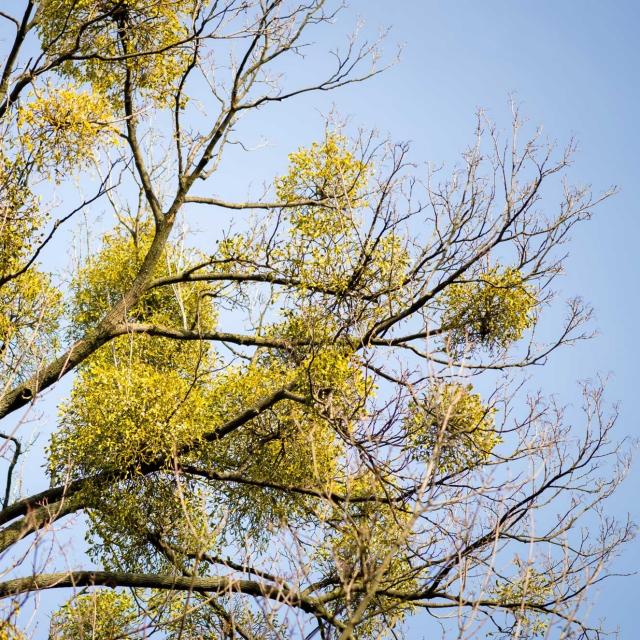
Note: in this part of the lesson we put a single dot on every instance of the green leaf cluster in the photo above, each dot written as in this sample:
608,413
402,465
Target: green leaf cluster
451,428
530,588
492,311
101,615
113,37
325,248
30,306
62,128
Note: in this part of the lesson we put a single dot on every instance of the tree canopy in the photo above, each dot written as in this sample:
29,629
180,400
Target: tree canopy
308,419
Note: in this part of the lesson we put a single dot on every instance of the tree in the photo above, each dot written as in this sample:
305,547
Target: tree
337,463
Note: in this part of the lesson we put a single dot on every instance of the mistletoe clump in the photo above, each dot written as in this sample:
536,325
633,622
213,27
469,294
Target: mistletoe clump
492,311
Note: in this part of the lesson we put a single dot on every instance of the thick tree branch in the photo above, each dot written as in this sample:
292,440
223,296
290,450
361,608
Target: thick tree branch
224,204
195,584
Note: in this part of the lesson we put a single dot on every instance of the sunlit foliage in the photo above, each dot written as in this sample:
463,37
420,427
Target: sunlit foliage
29,303
20,216
518,594
117,416
451,428
493,310
9,629
29,323
63,128
136,38
101,615
325,238
371,546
